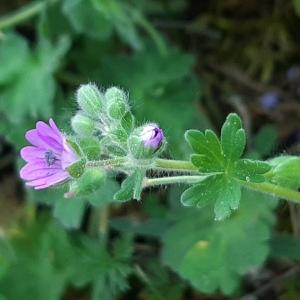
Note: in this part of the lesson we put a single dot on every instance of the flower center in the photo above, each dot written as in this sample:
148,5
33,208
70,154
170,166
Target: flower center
50,158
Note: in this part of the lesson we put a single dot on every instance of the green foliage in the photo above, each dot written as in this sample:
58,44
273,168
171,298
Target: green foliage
42,266
211,255
223,158
85,19
155,82
285,246
68,211
106,273
131,187
233,138
224,191
32,90
286,171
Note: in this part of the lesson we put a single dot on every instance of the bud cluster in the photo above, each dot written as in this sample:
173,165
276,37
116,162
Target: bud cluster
105,126
107,115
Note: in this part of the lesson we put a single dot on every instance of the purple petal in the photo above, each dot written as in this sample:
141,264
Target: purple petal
68,156
33,138
54,127
29,153
45,130
49,181
35,171
51,143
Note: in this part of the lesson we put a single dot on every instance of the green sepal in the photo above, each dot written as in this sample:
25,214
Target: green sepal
233,137
222,191
117,110
77,168
90,100
116,103
113,148
82,125
119,135
286,171
128,122
91,148
90,181
131,187
74,145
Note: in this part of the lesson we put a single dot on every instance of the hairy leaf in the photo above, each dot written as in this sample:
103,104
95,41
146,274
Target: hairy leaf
213,255
222,192
131,187
233,138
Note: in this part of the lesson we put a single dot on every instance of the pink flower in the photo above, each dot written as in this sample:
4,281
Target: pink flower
48,158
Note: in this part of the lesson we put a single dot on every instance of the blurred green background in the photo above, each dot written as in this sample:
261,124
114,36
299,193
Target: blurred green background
185,64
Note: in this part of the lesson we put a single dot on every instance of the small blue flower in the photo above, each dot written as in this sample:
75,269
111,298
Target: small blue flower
269,100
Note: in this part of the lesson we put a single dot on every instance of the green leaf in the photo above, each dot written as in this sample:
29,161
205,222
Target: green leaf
121,16
131,187
90,148
84,18
212,255
223,192
251,170
285,246
89,182
32,91
107,273
43,263
105,194
14,53
209,156
233,138
69,211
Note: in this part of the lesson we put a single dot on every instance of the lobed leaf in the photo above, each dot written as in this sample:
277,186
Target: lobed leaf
251,170
131,187
212,256
233,137
223,192
209,156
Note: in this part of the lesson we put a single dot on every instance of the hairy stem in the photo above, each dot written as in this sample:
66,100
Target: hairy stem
189,179
180,165
186,166
161,164
24,13
274,190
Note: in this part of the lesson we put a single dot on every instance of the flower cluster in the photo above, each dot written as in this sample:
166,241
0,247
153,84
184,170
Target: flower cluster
104,117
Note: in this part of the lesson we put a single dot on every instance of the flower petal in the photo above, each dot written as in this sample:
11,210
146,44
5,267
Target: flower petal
45,130
29,153
50,180
33,138
36,171
68,156
54,127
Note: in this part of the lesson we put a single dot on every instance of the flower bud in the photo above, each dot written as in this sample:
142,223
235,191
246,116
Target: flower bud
146,141
90,181
90,100
116,103
82,125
